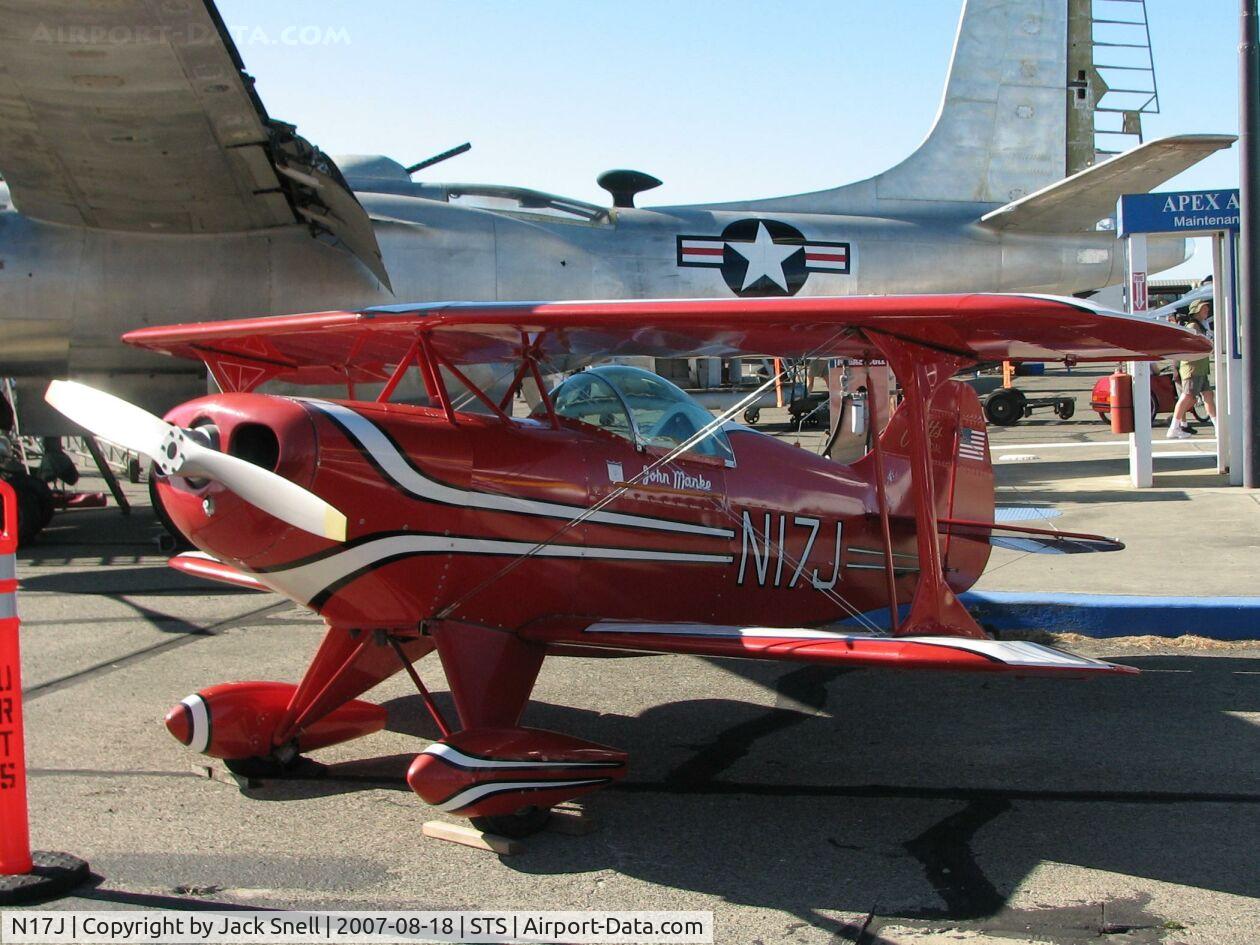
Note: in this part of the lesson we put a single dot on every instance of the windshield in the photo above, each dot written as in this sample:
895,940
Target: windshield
584,397
661,415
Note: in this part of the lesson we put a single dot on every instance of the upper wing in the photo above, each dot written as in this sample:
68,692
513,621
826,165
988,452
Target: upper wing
808,645
331,347
1076,204
139,116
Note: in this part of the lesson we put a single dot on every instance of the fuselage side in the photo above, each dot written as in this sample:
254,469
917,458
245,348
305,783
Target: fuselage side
476,521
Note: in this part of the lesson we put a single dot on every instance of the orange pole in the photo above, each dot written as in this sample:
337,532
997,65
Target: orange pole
15,839
778,382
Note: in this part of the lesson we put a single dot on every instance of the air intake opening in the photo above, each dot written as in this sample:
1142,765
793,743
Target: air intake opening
256,444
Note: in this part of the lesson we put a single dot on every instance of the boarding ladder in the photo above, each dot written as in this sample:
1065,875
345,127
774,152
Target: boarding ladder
1111,78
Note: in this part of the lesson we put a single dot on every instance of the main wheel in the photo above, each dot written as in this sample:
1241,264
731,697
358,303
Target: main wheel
34,505
1005,406
524,823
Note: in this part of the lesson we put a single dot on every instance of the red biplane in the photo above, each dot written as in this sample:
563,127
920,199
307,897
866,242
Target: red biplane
619,516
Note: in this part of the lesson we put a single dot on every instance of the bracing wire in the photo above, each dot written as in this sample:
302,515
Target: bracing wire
691,442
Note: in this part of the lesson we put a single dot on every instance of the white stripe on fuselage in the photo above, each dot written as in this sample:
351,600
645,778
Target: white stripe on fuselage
305,582
457,757
475,793
400,471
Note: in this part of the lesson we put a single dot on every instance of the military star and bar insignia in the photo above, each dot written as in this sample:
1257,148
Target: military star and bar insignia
763,257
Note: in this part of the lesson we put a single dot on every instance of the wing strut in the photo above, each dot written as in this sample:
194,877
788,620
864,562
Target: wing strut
934,610
432,379
877,451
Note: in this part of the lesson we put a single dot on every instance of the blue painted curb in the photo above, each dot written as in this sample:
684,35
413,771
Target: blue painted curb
1109,615
1118,615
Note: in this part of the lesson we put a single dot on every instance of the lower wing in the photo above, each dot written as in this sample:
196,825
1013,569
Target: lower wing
199,564
824,646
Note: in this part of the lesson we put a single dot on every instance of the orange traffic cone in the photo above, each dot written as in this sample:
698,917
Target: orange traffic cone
24,876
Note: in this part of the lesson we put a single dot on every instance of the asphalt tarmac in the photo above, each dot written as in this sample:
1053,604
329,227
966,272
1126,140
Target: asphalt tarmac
800,804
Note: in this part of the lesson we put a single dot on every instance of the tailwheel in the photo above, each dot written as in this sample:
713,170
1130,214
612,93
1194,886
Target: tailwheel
523,823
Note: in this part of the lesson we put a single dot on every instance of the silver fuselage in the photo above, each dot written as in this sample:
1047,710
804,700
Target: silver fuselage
68,293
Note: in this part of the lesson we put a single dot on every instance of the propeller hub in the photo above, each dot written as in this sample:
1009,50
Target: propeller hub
172,454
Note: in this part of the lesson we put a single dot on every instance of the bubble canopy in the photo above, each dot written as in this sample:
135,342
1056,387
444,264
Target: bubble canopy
640,406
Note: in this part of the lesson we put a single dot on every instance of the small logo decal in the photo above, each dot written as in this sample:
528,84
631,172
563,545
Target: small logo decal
763,257
675,479
615,472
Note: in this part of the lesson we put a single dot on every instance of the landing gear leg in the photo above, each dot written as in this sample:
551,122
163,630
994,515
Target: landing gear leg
283,762
491,675
107,474
491,672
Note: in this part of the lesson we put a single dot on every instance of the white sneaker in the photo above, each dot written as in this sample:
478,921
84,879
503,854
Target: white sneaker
1177,433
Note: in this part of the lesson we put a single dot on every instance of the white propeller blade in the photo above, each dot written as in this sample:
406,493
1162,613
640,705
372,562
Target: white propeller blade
177,453
110,417
274,494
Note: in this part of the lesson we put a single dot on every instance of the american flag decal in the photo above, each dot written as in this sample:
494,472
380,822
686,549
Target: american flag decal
971,444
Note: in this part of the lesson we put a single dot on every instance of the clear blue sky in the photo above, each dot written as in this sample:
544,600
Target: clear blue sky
721,99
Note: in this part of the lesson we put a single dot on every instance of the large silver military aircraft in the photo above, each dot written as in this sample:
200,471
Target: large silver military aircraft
144,182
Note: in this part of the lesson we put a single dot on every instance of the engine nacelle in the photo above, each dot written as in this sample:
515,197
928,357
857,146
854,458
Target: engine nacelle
239,720
495,771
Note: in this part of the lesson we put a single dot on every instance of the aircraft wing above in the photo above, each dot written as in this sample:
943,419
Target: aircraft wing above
809,645
1076,204
332,347
139,116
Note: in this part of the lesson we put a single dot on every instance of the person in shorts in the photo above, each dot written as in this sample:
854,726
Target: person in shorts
1194,377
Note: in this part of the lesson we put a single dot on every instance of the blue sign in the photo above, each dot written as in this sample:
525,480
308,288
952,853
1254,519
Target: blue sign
1190,211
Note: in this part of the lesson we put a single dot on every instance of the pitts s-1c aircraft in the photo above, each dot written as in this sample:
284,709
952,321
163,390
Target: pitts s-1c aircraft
619,516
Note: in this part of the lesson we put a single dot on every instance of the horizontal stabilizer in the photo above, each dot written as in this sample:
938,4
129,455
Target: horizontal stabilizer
199,564
807,645
1061,545
1025,513
1076,204
1040,541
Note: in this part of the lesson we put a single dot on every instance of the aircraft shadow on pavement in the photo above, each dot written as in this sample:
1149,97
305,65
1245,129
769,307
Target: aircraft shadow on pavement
152,580
922,796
